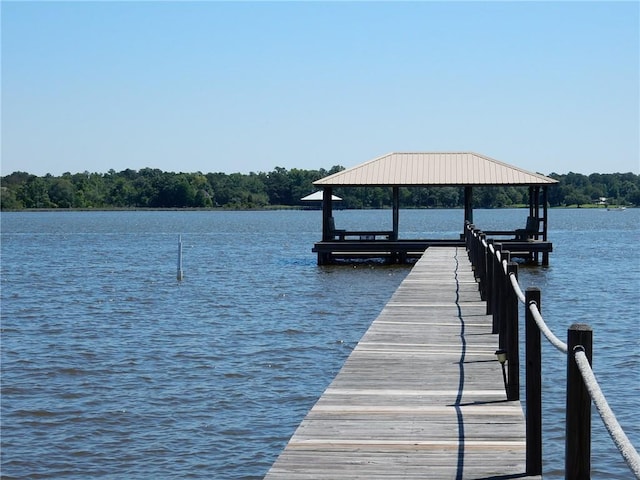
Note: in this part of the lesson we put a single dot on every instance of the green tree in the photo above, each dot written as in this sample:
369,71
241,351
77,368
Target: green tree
577,198
122,193
155,188
279,187
35,193
9,199
61,193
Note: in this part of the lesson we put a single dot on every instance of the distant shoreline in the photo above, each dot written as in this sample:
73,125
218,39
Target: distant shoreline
290,207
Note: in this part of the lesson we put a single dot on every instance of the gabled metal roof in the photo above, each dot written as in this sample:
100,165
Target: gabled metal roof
439,169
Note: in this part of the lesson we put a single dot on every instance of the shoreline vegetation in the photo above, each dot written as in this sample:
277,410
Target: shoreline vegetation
153,189
272,208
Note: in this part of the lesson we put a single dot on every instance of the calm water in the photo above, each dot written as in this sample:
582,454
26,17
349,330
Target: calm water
113,369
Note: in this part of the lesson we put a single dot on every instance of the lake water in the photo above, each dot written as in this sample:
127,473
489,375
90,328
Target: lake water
111,368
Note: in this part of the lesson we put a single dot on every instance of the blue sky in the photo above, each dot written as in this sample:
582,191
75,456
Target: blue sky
243,86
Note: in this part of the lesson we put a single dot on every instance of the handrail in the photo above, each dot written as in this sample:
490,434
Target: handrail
533,308
618,436
516,287
485,271
553,340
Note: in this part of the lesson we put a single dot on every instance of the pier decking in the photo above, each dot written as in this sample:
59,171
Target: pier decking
421,395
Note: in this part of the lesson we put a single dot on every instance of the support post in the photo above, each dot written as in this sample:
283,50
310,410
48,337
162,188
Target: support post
536,189
533,394
545,201
512,340
396,212
578,408
327,213
545,211
468,204
324,258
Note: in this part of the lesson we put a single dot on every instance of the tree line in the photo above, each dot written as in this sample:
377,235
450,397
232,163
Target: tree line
154,188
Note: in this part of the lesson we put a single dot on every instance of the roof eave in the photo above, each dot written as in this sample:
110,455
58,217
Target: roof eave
320,183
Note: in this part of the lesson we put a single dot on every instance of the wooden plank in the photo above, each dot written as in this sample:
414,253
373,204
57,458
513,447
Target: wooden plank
421,395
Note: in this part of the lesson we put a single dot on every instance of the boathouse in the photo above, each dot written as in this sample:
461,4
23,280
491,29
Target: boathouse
429,169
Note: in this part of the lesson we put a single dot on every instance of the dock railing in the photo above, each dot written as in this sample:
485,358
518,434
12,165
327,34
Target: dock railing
498,283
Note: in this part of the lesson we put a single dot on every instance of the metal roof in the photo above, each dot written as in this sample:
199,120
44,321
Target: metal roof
422,169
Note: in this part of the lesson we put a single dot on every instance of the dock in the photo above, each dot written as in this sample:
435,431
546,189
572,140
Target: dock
409,170
421,395
398,251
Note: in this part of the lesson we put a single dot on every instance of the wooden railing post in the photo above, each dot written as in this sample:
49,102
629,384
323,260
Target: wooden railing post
503,291
489,257
468,239
578,408
512,341
495,289
533,384
472,243
482,269
474,253
468,236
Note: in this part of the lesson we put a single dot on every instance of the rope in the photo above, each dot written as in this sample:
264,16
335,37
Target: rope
516,287
555,341
533,308
618,436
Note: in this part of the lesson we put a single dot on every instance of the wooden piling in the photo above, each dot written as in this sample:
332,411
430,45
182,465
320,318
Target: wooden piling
578,407
180,273
512,333
533,384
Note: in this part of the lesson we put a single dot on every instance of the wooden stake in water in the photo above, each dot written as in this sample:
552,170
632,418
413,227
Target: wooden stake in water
180,274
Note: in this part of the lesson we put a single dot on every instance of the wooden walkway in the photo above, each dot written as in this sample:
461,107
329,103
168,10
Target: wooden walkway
421,395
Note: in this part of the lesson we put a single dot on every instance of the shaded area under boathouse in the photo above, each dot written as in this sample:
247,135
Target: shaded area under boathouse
467,170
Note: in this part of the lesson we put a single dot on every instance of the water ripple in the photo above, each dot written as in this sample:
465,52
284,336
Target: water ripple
113,369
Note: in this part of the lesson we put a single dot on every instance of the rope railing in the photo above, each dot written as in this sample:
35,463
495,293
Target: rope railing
496,274
555,341
546,331
516,287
